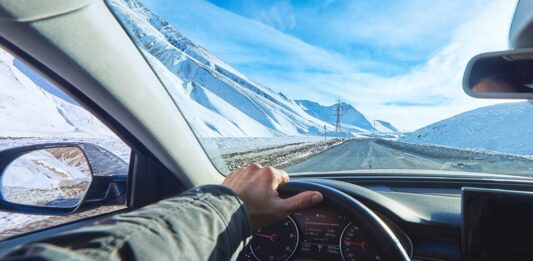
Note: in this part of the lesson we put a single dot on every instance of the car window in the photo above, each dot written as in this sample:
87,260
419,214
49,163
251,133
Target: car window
337,86
35,111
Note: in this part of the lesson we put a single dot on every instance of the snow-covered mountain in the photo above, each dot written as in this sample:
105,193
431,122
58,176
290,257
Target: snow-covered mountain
351,119
216,99
502,127
27,110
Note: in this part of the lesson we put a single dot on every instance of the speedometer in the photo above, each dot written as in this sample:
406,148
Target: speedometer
276,242
356,245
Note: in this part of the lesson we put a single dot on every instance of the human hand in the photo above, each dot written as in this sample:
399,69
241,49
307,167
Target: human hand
257,186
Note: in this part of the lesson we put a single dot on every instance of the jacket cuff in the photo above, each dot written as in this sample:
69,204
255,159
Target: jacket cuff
231,209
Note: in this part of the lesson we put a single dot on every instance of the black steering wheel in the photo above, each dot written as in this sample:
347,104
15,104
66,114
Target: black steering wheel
388,244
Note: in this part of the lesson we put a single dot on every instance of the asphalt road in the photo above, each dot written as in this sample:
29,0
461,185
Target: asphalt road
365,154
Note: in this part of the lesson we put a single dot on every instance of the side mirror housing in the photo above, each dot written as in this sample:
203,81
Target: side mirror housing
500,75
60,178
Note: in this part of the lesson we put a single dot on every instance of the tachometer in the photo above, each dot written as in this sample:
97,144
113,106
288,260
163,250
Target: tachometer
276,242
356,245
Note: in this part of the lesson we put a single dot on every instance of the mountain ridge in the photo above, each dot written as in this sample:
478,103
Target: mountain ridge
203,81
351,118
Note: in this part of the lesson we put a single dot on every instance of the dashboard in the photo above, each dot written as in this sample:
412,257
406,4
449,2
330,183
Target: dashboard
317,233
435,217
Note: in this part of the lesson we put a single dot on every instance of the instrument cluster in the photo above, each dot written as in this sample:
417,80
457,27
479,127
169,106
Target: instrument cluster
312,234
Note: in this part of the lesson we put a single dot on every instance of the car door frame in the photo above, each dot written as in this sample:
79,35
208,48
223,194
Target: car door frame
148,179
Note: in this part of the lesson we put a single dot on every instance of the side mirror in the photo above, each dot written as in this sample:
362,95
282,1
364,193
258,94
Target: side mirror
44,179
500,75
60,178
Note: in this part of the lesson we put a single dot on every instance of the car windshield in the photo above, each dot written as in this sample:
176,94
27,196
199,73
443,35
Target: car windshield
330,86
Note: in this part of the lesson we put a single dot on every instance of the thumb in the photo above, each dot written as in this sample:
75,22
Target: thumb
301,200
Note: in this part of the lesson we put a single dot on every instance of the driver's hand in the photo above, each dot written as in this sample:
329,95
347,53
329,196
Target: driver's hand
257,186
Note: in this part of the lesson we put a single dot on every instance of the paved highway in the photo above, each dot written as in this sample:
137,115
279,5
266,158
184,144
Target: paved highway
365,154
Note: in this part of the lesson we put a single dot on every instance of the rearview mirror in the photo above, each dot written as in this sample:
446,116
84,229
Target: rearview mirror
53,178
500,75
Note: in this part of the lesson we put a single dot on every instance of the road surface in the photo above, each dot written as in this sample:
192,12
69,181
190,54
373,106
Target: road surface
372,154
364,154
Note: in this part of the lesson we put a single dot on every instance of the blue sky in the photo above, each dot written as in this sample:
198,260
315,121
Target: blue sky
400,61
362,30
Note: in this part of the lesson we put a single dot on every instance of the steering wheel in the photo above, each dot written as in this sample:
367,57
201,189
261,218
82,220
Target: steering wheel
388,244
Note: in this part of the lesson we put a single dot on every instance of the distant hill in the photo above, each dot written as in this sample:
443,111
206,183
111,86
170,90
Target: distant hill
502,127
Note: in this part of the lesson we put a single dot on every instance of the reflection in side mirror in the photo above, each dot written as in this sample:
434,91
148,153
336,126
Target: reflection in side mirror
52,177
505,75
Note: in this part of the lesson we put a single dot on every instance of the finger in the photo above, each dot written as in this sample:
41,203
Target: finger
284,177
255,165
300,201
280,177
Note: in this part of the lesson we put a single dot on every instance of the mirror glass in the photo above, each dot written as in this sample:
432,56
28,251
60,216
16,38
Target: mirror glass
502,74
53,177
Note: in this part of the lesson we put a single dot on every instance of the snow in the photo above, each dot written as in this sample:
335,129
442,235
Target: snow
227,145
27,110
217,100
280,156
501,128
30,114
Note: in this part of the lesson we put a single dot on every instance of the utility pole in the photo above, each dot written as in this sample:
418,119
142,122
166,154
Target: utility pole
339,116
325,132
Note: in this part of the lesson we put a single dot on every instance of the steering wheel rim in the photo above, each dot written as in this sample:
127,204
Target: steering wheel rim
390,245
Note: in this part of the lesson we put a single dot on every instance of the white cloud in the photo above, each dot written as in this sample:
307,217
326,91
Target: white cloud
279,15
396,23
440,76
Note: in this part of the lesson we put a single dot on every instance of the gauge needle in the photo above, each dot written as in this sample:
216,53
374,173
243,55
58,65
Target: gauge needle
272,237
362,244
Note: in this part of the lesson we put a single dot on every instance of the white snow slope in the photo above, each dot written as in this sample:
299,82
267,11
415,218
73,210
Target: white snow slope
27,110
217,100
502,127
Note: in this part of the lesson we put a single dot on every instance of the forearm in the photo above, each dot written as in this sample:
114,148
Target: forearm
207,223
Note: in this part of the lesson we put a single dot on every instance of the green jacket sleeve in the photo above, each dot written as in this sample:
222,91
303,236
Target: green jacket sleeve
205,223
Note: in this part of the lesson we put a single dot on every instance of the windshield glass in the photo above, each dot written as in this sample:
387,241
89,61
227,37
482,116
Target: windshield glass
324,86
